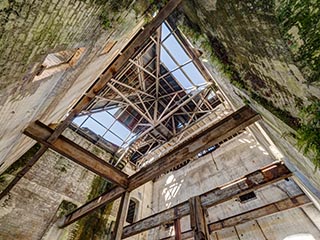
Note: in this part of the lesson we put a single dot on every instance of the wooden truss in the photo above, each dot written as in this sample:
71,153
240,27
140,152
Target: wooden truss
219,131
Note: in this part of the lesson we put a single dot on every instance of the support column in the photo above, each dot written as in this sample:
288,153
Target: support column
197,219
177,229
121,216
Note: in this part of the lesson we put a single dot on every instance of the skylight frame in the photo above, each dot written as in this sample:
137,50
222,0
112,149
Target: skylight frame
134,72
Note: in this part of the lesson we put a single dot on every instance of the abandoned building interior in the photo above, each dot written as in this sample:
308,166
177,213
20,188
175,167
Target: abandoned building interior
151,120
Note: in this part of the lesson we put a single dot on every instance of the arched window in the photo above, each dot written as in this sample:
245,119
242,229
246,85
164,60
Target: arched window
300,236
132,210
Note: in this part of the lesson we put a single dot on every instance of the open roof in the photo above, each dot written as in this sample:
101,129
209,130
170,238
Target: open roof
158,94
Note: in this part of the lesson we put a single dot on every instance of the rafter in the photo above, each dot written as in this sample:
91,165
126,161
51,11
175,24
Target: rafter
40,132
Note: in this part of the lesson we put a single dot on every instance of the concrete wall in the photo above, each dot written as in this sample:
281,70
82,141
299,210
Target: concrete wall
30,209
32,29
235,158
262,53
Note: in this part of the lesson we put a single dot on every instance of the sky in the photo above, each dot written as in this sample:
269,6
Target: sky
105,123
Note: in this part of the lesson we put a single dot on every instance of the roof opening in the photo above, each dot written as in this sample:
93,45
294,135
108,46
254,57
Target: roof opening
156,96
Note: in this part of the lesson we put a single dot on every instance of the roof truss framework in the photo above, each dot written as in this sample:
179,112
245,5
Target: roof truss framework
223,129
152,102
159,101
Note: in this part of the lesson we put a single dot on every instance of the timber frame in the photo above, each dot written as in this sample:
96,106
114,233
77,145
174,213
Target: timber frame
187,149
221,130
246,184
267,210
98,86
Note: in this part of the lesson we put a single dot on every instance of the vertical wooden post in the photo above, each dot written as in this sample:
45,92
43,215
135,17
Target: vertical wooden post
121,216
177,229
197,219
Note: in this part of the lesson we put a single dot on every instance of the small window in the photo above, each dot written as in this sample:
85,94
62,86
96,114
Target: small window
247,197
132,211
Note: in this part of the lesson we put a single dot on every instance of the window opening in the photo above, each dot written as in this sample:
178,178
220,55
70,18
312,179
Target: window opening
247,197
131,211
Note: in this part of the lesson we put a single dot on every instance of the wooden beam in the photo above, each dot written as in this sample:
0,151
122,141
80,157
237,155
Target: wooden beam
109,72
190,148
121,216
197,219
217,132
85,209
256,213
177,229
40,132
248,183
267,210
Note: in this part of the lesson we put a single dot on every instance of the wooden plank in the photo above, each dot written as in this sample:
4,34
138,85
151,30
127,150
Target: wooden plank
121,216
213,135
248,183
40,132
177,229
219,131
197,219
256,213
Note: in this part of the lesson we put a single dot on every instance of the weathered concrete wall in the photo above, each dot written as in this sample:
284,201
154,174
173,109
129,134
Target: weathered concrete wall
245,38
235,158
32,29
264,54
30,209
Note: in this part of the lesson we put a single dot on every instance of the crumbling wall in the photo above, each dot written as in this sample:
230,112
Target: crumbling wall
264,54
246,38
29,31
53,187
233,160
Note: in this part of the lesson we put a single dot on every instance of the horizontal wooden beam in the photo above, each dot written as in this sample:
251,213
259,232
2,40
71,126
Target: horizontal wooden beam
219,131
248,183
256,213
264,211
100,83
40,132
190,148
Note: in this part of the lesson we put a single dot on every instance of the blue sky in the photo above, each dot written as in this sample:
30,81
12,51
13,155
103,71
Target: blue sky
105,124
